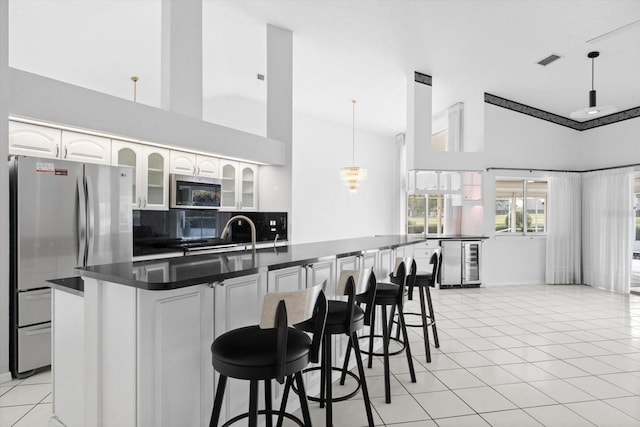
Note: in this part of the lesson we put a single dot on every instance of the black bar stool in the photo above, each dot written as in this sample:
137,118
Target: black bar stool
391,295
345,317
271,350
423,281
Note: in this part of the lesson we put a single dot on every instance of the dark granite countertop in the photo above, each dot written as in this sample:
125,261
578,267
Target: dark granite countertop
185,271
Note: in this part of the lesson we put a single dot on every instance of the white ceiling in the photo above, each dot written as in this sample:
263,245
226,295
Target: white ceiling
349,49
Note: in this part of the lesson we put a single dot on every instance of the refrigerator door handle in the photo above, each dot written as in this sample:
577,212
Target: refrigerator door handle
82,222
90,221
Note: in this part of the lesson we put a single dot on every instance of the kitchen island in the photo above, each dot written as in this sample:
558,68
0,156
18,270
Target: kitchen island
132,347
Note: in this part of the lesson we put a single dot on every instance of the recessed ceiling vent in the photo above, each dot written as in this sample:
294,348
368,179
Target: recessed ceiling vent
549,59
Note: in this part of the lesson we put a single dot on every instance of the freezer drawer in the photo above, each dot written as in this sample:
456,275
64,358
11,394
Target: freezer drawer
34,307
34,343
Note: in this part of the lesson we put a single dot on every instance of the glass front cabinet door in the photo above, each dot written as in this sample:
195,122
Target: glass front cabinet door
150,187
239,185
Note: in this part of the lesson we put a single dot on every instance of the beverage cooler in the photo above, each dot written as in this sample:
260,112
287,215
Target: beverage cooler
460,263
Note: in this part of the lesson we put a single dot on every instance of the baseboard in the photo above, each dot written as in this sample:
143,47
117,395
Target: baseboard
5,377
488,285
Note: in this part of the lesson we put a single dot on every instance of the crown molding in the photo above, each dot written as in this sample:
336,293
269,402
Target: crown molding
422,78
561,120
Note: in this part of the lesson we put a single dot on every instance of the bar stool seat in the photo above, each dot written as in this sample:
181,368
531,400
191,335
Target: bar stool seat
248,353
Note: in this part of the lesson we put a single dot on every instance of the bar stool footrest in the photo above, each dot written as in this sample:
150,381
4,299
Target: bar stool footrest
265,412
430,321
391,353
333,398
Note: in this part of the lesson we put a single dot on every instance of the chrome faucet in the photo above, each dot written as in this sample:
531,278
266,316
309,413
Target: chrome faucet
225,230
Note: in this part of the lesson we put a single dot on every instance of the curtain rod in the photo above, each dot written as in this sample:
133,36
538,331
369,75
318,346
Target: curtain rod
564,170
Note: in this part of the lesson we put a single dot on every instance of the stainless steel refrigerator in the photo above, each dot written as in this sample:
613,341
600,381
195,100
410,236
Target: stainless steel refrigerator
63,215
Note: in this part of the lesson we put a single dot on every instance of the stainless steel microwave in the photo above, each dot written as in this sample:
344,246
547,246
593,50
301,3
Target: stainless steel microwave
194,192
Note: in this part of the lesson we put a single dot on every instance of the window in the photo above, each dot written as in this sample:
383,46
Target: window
426,213
521,206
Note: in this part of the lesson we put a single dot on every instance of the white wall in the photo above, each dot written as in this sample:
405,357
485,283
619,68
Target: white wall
516,140
519,141
323,208
612,145
237,113
4,195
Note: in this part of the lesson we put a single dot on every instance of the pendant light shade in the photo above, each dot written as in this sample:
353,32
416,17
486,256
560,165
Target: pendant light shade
593,110
353,175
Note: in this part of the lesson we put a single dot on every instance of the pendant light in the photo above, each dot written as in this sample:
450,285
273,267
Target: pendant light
353,175
593,110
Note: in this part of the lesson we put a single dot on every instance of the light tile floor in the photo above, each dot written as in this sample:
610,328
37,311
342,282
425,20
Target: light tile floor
509,356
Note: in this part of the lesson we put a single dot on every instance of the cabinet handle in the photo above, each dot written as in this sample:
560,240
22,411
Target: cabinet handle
139,201
66,152
57,150
144,202
195,170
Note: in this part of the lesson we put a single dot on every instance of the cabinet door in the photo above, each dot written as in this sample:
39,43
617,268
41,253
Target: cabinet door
321,271
449,181
80,147
386,262
237,303
36,141
247,181
229,184
207,166
155,166
422,254
175,329
182,163
130,154
472,185
370,260
287,279
347,263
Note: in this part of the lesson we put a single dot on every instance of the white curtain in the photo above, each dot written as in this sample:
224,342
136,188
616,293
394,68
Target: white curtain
607,228
564,209
455,127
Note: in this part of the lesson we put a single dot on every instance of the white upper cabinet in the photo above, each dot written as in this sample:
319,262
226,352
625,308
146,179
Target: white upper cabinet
129,154
41,141
207,166
472,185
239,185
155,184
184,163
36,141
80,147
151,164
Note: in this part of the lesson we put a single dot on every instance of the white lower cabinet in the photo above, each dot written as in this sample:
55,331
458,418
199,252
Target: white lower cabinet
422,253
237,303
386,263
287,279
175,374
